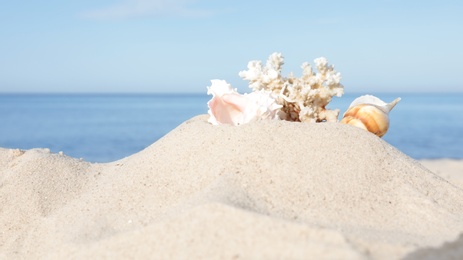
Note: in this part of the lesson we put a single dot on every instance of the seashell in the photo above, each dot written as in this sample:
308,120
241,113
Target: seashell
370,113
227,106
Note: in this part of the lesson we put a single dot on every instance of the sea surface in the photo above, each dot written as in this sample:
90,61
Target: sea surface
108,127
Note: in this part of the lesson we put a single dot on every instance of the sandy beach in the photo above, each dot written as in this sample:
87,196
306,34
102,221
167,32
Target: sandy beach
264,190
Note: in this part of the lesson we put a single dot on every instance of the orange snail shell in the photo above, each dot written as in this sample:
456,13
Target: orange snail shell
369,113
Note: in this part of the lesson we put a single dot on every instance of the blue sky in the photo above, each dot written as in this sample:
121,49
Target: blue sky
180,45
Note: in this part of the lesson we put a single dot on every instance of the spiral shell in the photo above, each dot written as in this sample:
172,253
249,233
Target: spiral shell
369,113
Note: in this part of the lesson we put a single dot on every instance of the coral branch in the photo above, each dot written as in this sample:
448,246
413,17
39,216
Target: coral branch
302,99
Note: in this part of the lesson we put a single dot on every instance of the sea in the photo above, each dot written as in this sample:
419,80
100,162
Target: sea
107,127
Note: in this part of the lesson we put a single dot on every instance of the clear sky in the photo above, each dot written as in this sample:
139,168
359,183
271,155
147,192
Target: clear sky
180,45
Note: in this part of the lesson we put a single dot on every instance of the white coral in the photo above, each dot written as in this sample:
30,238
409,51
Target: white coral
268,77
303,99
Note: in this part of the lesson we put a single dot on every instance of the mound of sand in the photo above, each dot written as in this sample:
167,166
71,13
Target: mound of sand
266,189
449,169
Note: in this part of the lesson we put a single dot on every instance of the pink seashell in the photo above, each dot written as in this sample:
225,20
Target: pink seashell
227,106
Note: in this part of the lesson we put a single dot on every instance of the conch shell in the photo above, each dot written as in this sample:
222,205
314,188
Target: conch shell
227,106
370,113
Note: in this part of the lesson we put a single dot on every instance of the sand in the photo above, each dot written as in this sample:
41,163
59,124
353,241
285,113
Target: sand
449,169
269,189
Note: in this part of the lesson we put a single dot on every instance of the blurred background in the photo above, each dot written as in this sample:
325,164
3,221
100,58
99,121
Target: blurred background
103,80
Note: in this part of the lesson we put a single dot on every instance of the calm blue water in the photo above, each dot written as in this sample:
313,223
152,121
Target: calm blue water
103,128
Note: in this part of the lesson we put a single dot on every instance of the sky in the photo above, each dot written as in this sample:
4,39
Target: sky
178,46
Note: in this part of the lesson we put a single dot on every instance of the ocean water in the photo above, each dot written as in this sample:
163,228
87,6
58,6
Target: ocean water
105,127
